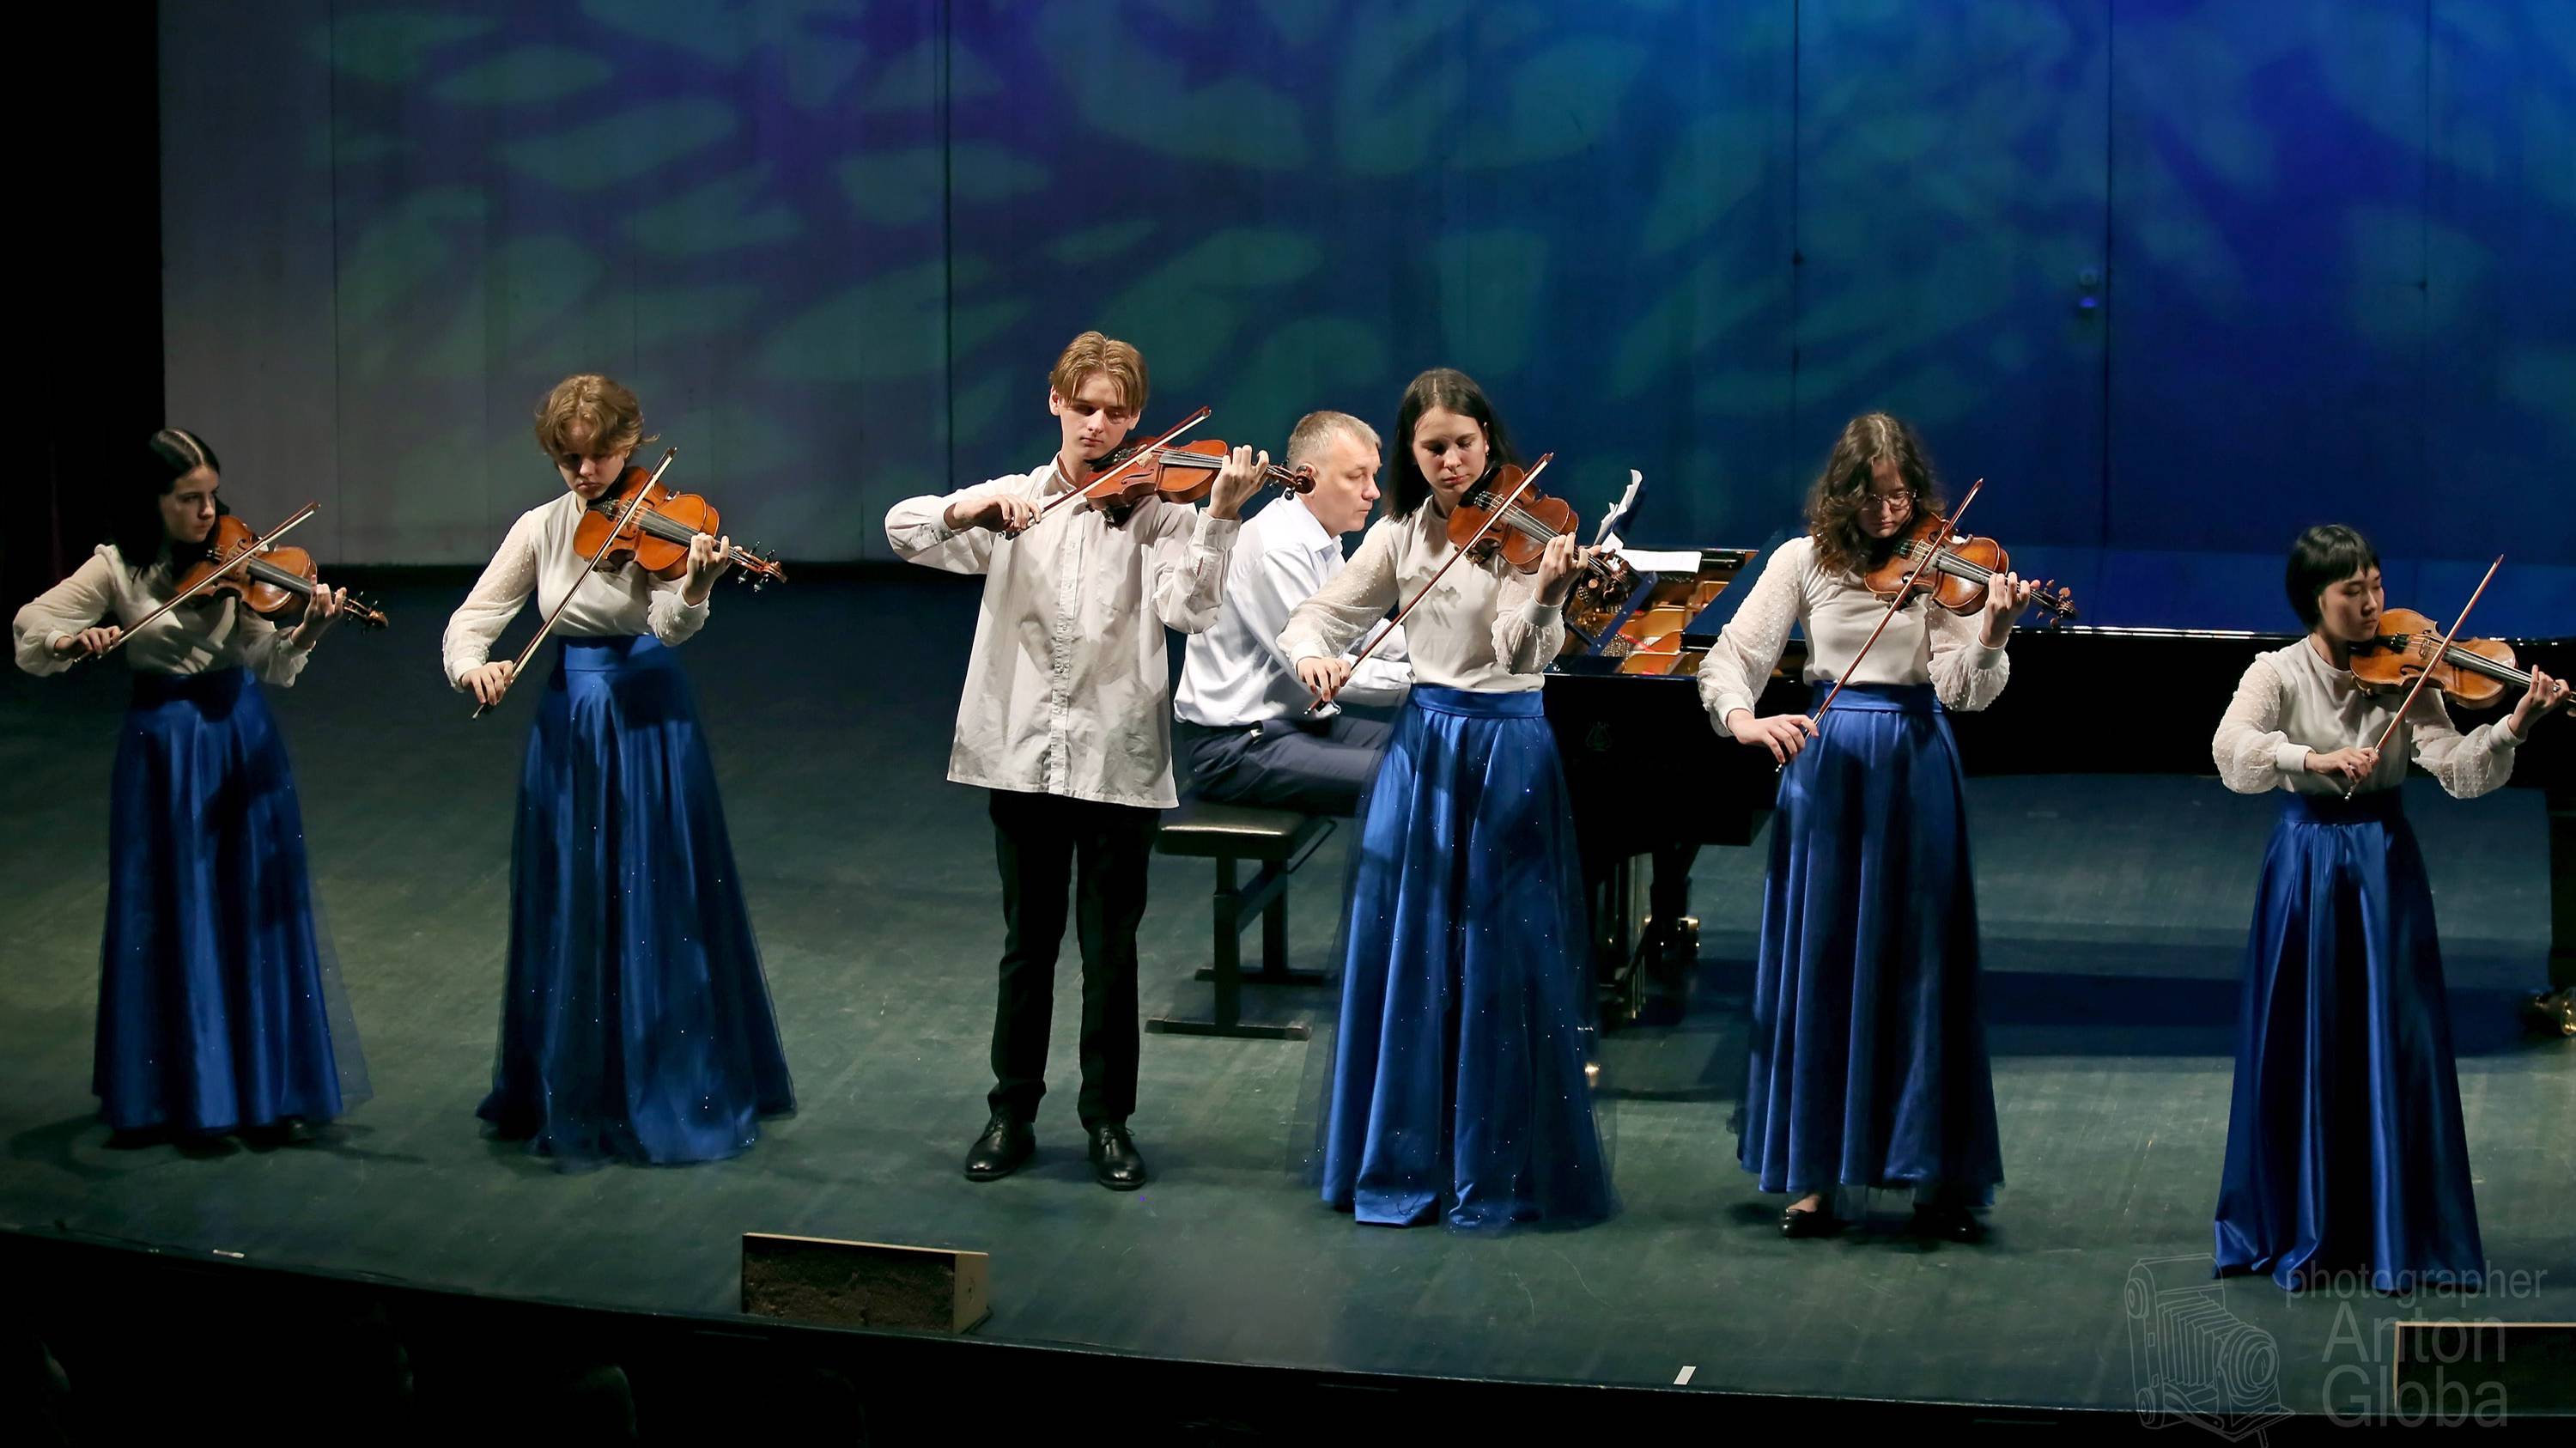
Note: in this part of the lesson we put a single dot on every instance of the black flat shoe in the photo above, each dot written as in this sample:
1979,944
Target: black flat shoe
1004,1148
1812,1223
1115,1162
1948,1224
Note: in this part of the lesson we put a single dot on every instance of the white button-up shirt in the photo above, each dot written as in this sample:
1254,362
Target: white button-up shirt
1482,627
1068,689
1235,673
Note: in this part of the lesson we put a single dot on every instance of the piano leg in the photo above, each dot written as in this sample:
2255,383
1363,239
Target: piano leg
1670,951
1645,961
2555,1012
1613,891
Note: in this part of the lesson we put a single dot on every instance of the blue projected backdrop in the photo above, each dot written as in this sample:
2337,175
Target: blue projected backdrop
2172,276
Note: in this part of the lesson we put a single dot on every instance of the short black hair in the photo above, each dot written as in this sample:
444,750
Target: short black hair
2324,556
134,511
1451,390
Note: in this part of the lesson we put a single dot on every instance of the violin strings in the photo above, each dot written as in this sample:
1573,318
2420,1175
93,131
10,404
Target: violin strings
1529,526
1958,567
2461,658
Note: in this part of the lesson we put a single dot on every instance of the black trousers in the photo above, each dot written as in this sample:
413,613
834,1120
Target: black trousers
1048,847
1320,768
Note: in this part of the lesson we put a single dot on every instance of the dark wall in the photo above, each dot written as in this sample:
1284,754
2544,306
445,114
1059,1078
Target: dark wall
89,346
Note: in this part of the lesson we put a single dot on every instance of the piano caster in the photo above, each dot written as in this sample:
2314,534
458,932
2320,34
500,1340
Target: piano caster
2553,1014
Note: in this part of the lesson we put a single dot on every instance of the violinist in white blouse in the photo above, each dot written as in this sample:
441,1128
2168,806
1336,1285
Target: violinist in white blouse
1066,723
217,993
2345,1145
1461,1089
1869,1066
636,1023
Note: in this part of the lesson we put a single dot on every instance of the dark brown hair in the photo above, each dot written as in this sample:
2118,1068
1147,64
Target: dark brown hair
1450,390
1834,503
134,511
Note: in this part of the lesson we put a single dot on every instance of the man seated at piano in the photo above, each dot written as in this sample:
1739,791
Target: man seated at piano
1242,723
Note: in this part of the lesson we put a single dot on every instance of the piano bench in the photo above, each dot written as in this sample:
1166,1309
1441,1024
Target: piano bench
1279,841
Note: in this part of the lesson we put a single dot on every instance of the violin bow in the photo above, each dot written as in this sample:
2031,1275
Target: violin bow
257,545
2426,672
1405,612
520,665
1140,456
1949,530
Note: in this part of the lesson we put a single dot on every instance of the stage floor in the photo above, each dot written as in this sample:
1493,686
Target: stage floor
2113,911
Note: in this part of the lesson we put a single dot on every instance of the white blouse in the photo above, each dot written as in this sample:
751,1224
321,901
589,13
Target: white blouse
197,637
1068,690
2292,701
537,557
1924,643
1483,628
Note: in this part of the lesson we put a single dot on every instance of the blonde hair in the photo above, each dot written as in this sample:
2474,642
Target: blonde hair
1316,430
1091,354
610,413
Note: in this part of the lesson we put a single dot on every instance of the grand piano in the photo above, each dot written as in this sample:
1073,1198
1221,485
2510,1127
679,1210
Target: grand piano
1652,782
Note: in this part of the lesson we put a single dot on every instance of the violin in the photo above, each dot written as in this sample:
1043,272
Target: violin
2474,673
657,536
272,582
1957,576
1176,473
1158,467
1522,527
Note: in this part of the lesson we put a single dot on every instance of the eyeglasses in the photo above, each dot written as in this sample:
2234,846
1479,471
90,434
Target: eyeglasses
1888,502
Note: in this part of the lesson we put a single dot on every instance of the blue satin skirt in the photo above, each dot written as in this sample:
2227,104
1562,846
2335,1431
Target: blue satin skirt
2345,1147
218,1004
637,1024
1457,1083
1868,1049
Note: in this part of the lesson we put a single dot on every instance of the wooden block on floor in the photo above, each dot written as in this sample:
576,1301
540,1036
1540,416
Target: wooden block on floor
863,1284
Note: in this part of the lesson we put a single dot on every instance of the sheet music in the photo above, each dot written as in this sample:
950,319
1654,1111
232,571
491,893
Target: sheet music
1619,511
1658,560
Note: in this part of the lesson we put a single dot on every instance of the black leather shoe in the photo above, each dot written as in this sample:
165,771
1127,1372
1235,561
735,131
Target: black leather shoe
1948,1223
1114,1159
1004,1148
1812,1223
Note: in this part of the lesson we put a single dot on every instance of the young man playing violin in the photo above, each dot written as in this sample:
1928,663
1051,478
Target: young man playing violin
1066,721
2346,1149
1244,725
